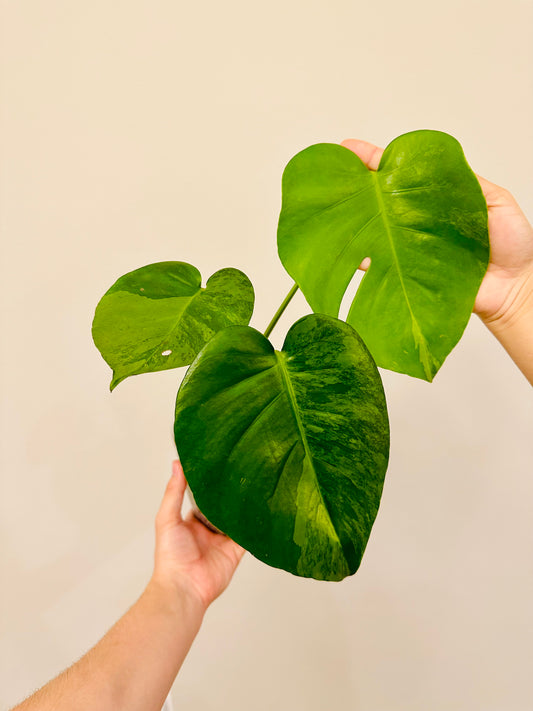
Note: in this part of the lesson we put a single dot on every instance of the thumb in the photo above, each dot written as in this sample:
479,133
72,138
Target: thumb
170,509
495,195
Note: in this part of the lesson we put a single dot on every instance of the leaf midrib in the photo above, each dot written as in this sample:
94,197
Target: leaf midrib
286,380
285,377
415,324
388,230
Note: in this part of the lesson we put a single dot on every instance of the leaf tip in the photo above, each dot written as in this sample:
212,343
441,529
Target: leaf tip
114,382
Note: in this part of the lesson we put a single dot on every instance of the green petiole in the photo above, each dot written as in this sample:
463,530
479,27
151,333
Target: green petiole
281,309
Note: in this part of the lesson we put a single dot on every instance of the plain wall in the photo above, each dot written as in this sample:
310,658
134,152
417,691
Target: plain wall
140,131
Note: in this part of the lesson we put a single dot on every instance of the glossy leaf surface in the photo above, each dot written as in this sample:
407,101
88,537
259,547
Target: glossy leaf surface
422,220
286,451
159,316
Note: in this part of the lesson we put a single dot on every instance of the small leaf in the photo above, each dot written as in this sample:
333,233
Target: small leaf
286,452
422,220
159,316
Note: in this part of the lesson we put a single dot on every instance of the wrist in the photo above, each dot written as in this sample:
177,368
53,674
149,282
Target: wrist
174,600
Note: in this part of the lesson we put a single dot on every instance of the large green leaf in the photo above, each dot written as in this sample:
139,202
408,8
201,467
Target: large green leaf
159,316
421,218
286,451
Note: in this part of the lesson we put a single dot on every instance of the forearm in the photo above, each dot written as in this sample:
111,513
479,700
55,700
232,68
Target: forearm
133,667
513,325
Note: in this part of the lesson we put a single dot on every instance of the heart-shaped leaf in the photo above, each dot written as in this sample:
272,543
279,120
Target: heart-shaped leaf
286,451
159,316
422,220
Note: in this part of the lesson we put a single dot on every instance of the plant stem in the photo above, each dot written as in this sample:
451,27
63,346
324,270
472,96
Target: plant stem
281,309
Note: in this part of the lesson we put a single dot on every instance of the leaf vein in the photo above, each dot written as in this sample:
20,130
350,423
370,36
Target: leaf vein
254,422
335,204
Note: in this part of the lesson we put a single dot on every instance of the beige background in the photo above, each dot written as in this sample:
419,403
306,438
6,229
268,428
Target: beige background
138,131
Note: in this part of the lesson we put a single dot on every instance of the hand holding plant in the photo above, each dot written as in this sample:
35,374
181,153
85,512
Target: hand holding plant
504,301
509,277
188,556
510,269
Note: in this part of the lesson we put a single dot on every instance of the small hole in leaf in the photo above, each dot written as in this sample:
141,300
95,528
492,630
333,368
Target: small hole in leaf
166,353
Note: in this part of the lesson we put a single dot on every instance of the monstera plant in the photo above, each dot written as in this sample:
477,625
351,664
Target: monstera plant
286,451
